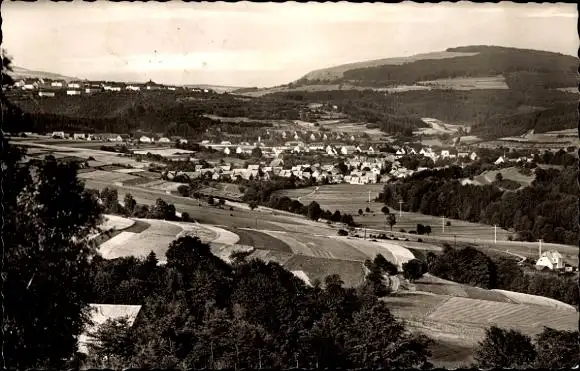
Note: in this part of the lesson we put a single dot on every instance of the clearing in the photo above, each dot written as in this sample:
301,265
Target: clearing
468,83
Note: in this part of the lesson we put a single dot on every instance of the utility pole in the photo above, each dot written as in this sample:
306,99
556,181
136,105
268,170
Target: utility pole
455,240
443,223
400,209
495,234
369,197
540,248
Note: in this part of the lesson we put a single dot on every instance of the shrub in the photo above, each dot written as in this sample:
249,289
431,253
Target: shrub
342,232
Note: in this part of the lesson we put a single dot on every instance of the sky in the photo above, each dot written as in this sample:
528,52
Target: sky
253,44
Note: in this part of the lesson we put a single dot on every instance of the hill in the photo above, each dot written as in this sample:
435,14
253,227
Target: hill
216,88
521,68
23,73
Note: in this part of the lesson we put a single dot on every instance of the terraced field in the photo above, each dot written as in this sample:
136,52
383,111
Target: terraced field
528,319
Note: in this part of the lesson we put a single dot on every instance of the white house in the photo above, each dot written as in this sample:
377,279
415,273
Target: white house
79,136
239,150
227,151
57,84
58,134
182,141
133,87
371,149
473,156
445,153
164,140
500,160
312,137
400,152
92,90
111,88
551,260
145,139
226,143
73,92
73,85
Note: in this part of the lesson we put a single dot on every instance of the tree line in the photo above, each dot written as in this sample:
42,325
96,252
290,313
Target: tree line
546,209
472,267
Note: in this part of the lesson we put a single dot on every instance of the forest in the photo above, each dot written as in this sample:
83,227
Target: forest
547,209
524,69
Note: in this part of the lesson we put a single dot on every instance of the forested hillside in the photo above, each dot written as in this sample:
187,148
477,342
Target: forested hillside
523,69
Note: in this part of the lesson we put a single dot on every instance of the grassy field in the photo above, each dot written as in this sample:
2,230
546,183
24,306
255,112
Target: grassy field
225,190
511,173
351,272
350,198
529,319
521,298
260,240
107,176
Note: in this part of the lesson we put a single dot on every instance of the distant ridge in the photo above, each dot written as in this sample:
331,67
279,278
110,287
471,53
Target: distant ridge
23,73
216,88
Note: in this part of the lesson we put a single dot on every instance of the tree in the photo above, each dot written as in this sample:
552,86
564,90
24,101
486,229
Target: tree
183,190
377,340
498,177
210,201
162,210
221,202
385,265
256,152
504,349
47,219
360,212
253,205
368,209
113,345
314,210
385,210
129,203
414,269
420,229
391,220
185,217
428,230
557,349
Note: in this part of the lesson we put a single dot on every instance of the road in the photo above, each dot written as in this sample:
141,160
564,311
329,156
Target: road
310,194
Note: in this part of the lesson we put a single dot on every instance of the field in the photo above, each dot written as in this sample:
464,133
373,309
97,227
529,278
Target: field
456,324
351,272
107,176
529,319
511,173
165,152
468,83
116,222
521,298
350,198
225,190
157,238
162,185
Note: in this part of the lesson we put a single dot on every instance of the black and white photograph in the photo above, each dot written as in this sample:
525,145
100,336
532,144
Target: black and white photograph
245,185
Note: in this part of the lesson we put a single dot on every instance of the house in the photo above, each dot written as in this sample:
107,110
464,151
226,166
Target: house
312,137
117,138
164,140
99,314
58,134
400,152
239,150
345,150
133,87
73,85
46,94
276,163
473,156
253,167
145,139
445,153
73,92
227,151
500,160
371,150
111,88
226,143
551,260
462,154
205,142
182,141
79,136
57,84
92,90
